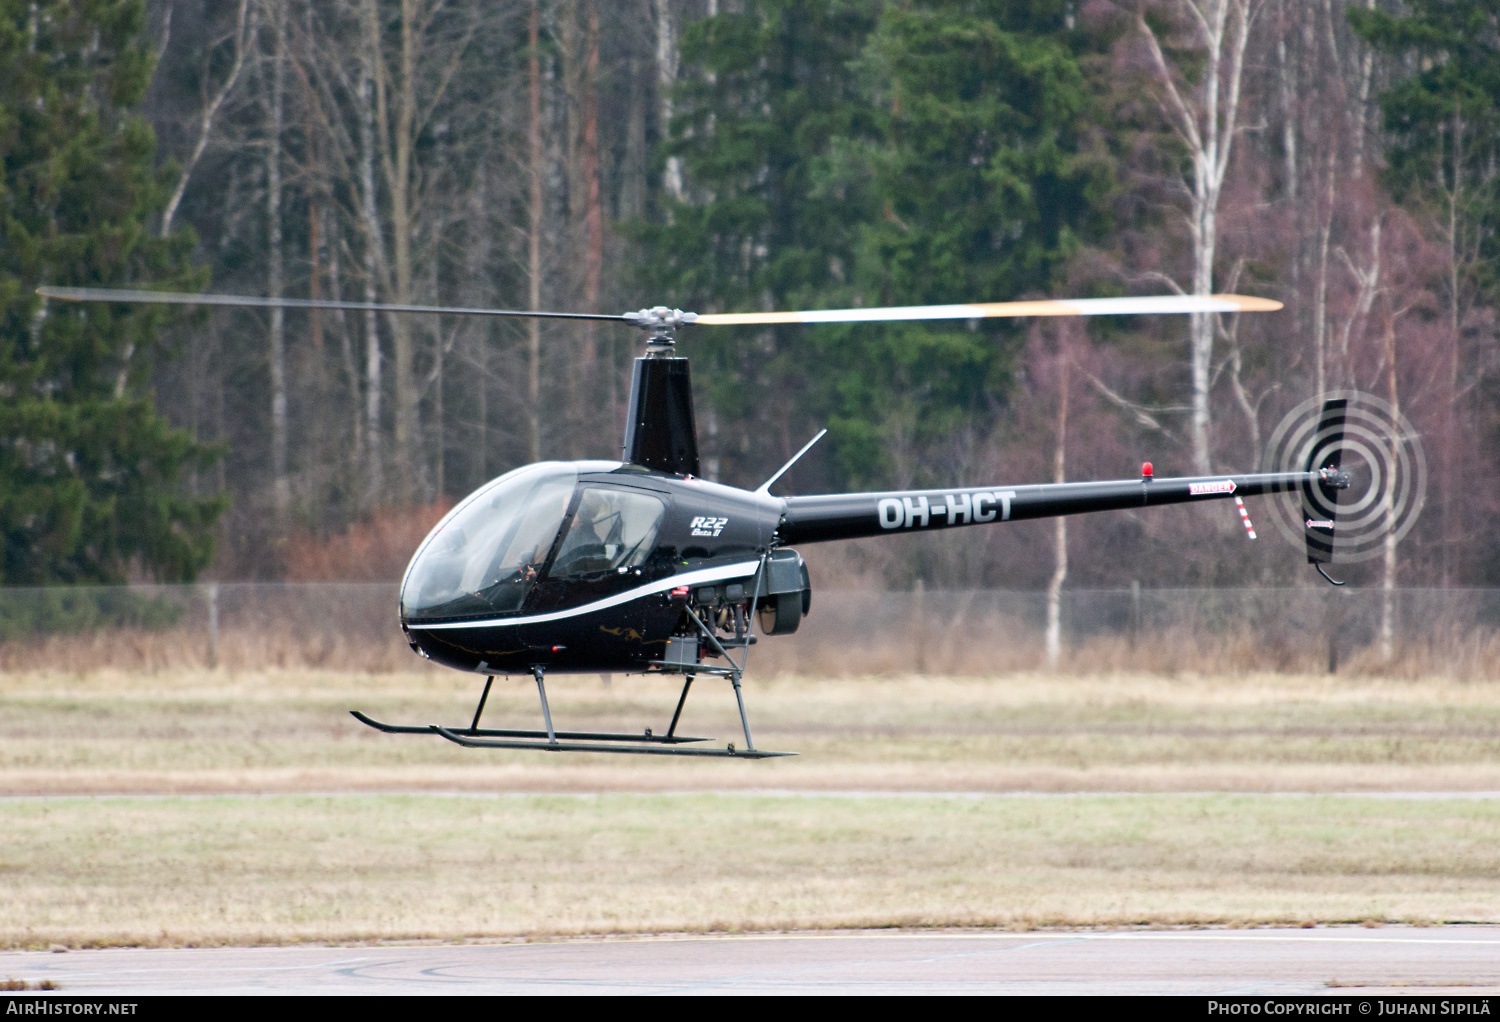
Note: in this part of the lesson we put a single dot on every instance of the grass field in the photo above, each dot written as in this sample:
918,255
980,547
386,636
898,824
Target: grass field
291,732
223,869
356,835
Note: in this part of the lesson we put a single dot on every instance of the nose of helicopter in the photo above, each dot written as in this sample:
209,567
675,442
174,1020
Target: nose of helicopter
483,558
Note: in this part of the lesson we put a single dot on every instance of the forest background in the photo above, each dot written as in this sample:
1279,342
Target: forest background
1337,155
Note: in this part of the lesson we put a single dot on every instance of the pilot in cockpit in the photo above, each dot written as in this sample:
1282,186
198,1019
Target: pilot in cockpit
610,531
531,563
593,534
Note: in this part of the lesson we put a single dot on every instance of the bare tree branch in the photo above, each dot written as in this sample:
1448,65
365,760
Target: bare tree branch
1187,126
1141,413
206,118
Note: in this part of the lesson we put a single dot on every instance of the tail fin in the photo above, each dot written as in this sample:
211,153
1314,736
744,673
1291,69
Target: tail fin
1320,502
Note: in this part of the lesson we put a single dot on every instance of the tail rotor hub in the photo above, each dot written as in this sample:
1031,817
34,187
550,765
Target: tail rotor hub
1377,461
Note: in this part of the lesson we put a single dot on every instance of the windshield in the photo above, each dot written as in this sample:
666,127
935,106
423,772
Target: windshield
484,557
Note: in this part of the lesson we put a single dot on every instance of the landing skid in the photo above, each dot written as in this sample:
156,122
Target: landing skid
551,740
487,732
640,750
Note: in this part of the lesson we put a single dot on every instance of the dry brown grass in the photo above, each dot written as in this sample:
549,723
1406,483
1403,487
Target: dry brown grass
652,845
305,868
289,731
353,627
240,649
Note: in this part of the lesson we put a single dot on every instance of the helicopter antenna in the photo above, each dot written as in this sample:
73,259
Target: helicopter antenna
765,487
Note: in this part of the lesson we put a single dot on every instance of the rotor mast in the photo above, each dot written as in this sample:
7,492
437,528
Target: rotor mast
660,428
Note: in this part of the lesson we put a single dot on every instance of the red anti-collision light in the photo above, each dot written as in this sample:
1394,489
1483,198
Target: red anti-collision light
680,591
1145,470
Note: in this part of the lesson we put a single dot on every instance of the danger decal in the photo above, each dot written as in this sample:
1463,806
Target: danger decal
1204,489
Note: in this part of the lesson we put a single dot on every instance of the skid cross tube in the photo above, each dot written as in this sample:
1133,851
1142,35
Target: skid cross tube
541,688
734,673
488,681
677,714
734,679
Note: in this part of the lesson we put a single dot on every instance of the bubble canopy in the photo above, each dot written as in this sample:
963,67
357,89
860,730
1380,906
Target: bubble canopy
485,555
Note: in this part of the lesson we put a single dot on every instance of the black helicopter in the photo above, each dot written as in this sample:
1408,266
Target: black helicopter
640,566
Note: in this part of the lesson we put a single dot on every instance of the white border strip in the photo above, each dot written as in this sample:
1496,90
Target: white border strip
686,578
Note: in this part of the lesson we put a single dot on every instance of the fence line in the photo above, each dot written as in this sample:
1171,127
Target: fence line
354,626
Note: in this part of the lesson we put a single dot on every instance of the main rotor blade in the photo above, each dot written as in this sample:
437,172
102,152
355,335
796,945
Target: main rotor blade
104,294
1156,304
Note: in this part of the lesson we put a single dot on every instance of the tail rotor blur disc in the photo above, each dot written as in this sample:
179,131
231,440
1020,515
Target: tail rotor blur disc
1382,453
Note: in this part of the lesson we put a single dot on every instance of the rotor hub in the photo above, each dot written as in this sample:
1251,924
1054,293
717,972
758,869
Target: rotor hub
662,322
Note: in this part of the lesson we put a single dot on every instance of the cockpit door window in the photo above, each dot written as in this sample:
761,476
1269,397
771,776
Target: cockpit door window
612,531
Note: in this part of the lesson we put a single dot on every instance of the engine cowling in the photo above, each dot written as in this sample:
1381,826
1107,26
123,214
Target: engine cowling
787,595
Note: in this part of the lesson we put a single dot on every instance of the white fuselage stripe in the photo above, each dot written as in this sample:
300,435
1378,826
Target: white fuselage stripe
686,578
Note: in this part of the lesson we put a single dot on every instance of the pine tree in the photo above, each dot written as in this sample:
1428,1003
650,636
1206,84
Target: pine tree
768,91
854,152
1443,121
90,474
987,181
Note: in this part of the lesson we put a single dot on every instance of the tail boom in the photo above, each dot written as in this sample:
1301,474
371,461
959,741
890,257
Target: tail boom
824,517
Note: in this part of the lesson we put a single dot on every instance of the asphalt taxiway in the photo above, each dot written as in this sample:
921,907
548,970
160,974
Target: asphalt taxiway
1377,962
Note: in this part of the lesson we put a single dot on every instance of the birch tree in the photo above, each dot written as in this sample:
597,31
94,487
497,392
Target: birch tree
207,117
276,15
1060,526
377,102
1204,118
535,168
1444,122
668,59
578,43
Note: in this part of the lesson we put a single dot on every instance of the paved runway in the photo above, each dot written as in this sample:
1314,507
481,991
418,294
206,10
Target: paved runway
1387,961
